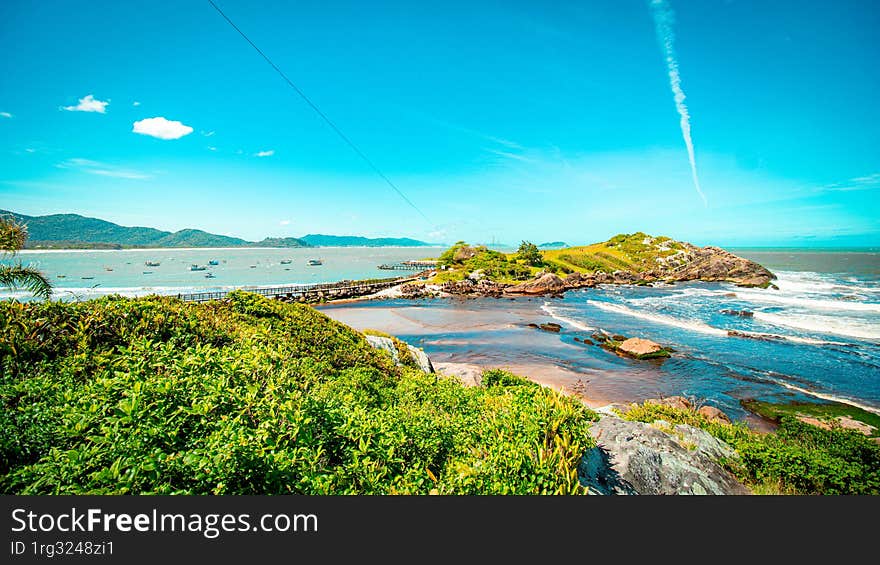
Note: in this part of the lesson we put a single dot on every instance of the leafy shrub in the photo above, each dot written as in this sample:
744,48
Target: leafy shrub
253,396
797,458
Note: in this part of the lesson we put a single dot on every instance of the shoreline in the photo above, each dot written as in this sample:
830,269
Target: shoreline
155,249
461,336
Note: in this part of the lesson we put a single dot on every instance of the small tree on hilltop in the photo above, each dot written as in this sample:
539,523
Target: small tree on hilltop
12,238
529,254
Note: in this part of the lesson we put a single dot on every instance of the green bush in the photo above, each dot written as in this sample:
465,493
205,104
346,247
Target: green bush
796,458
253,396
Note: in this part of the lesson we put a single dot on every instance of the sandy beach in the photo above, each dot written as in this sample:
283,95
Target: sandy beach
465,337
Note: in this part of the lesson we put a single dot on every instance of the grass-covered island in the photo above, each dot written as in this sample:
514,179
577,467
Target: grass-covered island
249,395
635,258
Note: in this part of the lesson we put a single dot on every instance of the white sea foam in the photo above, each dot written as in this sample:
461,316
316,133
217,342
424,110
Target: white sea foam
822,324
692,325
793,338
553,313
808,282
809,303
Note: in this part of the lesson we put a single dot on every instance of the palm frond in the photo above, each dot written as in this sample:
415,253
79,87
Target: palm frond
25,278
12,235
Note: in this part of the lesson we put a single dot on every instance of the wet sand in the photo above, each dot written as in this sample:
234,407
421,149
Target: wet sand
464,337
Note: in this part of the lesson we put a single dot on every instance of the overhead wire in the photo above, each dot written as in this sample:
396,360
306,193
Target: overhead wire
323,116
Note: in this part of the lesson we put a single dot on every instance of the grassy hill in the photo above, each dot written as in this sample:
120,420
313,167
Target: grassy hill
253,396
72,231
628,252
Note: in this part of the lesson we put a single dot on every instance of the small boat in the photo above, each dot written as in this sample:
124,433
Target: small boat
108,268
148,272
214,262
286,261
315,262
87,278
210,276
286,268
61,276
152,263
253,266
195,267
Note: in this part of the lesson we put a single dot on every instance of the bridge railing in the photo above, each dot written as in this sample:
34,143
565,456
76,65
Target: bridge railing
300,290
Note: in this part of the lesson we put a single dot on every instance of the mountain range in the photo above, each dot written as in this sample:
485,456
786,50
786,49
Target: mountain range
72,231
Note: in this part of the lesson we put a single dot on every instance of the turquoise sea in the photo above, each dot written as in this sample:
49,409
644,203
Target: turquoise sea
815,338
87,273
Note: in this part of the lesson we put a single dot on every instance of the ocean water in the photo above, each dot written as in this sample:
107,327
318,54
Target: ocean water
815,338
84,274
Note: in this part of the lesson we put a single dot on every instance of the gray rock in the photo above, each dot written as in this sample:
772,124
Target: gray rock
422,359
638,458
387,345
704,442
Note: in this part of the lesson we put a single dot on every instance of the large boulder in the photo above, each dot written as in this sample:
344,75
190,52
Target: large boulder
638,347
548,283
638,458
713,414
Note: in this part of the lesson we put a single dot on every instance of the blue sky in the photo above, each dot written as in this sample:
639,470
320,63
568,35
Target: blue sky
500,120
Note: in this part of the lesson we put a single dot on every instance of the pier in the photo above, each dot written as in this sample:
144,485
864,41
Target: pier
409,266
309,292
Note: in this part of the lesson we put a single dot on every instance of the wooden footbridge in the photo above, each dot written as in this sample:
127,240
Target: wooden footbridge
309,292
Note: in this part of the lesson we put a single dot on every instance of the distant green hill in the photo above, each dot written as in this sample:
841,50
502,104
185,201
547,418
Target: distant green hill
322,240
72,231
553,245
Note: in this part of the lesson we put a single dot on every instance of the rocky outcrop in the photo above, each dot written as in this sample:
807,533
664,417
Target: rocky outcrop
710,264
713,414
638,347
639,458
546,283
470,287
417,356
634,347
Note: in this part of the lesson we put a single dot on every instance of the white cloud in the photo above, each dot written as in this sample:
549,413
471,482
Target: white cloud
161,128
5,114
88,104
102,169
268,153
212,148
857,183
135,103
284,223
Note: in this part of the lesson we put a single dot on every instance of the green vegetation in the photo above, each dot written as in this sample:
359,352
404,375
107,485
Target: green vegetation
72,231
529,254
828,413
798,458
253,396
627,252
461,259
13,236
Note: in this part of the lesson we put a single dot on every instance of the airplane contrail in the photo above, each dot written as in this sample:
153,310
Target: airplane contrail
664,17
